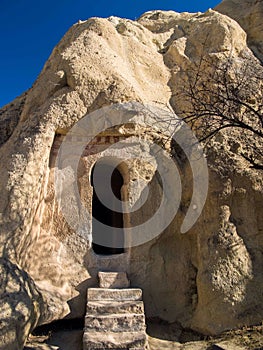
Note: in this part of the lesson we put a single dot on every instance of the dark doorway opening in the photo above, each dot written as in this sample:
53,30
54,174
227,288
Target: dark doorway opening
103,214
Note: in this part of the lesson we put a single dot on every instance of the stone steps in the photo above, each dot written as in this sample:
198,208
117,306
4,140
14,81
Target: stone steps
105,308
115,322
131,294
113,340
115,315
113,280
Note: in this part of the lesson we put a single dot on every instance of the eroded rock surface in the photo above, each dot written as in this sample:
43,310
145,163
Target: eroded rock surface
208,279
248,14
21,306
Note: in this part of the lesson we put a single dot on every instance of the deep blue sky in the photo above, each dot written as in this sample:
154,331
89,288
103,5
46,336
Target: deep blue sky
29,30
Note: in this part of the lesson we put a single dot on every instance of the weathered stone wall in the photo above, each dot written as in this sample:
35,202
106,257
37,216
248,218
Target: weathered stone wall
248,14
209,278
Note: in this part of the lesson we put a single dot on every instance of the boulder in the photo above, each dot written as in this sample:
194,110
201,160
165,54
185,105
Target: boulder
21,306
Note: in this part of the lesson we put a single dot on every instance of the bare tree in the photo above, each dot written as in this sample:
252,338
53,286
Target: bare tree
227,93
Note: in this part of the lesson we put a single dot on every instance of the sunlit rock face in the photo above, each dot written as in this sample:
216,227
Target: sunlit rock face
248,14
21,306
208,278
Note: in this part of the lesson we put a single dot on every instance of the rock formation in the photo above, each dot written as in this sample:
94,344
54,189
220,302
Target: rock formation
21,306
208,279
248,14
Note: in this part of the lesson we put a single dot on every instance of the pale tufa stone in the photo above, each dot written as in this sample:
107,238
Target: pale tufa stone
113,280
95,294
184,277
248,13
21,306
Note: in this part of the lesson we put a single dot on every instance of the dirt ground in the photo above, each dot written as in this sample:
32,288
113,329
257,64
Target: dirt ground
161,336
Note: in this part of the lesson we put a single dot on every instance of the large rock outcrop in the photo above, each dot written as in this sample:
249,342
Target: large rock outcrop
248,14
21,306
208,279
